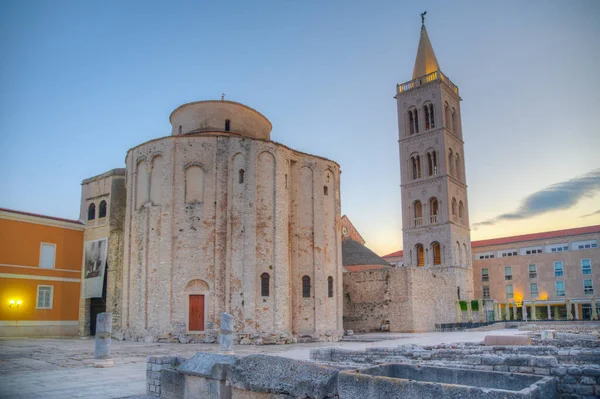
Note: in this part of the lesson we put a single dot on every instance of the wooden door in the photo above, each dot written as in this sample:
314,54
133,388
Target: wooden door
196,313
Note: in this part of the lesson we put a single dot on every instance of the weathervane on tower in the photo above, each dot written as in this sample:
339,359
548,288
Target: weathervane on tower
423,19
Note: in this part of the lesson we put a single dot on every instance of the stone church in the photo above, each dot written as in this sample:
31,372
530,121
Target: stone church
437,267
215,218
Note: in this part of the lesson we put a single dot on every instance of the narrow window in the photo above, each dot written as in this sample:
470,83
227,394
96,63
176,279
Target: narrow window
450,163
433,210
427,124
102,209
429,164
486,292
509,291
420,255
416,121
418,210
458,292
264,284
588,288
325,190
457,169
330,287
414,168
437,259
454,206
558,269
461,210
306,287
418,166
92,211
485,276
179,129
448,116
560,288
227,125
47,256
241,176
508,273
586,266
44,297
533,290
286,183
454,121
411,122
532,271
431,116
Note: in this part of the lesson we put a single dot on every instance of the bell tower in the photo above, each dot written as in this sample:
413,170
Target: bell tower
435,209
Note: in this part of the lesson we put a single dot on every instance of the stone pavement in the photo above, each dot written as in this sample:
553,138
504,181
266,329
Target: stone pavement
53,368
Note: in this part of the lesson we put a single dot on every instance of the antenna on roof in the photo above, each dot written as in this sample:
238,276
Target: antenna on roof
222,96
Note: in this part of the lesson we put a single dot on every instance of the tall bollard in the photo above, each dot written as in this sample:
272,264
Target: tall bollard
226,333
103,338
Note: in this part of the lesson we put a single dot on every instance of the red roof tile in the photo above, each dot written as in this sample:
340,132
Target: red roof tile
397,253
40,216
537,236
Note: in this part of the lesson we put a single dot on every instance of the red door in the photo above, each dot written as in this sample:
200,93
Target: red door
196,312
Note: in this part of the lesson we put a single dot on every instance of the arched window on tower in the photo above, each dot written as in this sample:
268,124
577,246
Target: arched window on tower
457,169
420,255
454,121
227,125
432,163
264,284
454,206
437,256
461,210
418,212
429,117
448,116
416,167
433,210
330,287
102,209
306,287
450,163
241,176
180,129
411,122
92,211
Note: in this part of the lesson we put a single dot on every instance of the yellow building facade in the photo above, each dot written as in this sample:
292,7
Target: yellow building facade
40,274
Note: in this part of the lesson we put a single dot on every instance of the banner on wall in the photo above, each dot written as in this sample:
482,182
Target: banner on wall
95,267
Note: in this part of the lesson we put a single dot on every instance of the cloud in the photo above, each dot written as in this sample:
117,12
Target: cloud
559,196
590,214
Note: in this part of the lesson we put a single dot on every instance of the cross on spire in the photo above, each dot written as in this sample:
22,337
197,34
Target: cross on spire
423,18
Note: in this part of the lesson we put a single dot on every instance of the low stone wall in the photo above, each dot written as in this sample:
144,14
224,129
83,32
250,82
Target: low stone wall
570,326
577,370
161,377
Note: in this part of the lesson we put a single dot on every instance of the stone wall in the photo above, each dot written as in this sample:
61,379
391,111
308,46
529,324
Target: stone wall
411,299
264,208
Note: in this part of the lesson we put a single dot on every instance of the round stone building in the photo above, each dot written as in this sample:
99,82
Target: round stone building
219,218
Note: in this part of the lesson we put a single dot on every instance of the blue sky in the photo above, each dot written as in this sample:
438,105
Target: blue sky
82,82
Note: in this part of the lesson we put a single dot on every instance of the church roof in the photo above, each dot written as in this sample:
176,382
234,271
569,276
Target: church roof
426,62
354,253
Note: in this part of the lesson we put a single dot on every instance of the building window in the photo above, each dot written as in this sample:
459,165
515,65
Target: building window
454,121
306,287
532,271
429,118
264,284
437,259
485,275
588,289
533,290
509,291
559,248
325,190
330,287
44,297
433,210
558,269
486,292
450,162
508,273
241,176
560,288
420,255
457,169
418,211
227,125
92,211
532,251
461,210
413,120
586,266
432,163
454,206
448,117
47,256
416,166
194,184
102,209
509,253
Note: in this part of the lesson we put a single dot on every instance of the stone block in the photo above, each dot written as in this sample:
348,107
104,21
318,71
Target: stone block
208,365
172,384
588,381
595,371
574,370
560,371
544,361
285,376
490,340
584,389
492,359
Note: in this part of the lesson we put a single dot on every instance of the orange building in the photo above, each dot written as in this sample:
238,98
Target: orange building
40,274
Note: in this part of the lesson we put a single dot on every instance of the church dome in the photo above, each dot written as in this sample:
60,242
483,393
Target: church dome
220,116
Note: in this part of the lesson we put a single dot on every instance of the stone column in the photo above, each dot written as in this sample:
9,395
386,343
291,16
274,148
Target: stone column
514,310
226,333
533,315
594,311
568,306
481,311
576,311
507,311
102,342
497,311
524,315
469,312
549,312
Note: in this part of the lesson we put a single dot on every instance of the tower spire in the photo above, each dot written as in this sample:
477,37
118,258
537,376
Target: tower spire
426,61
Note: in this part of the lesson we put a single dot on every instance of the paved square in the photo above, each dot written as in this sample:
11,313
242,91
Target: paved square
53,368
